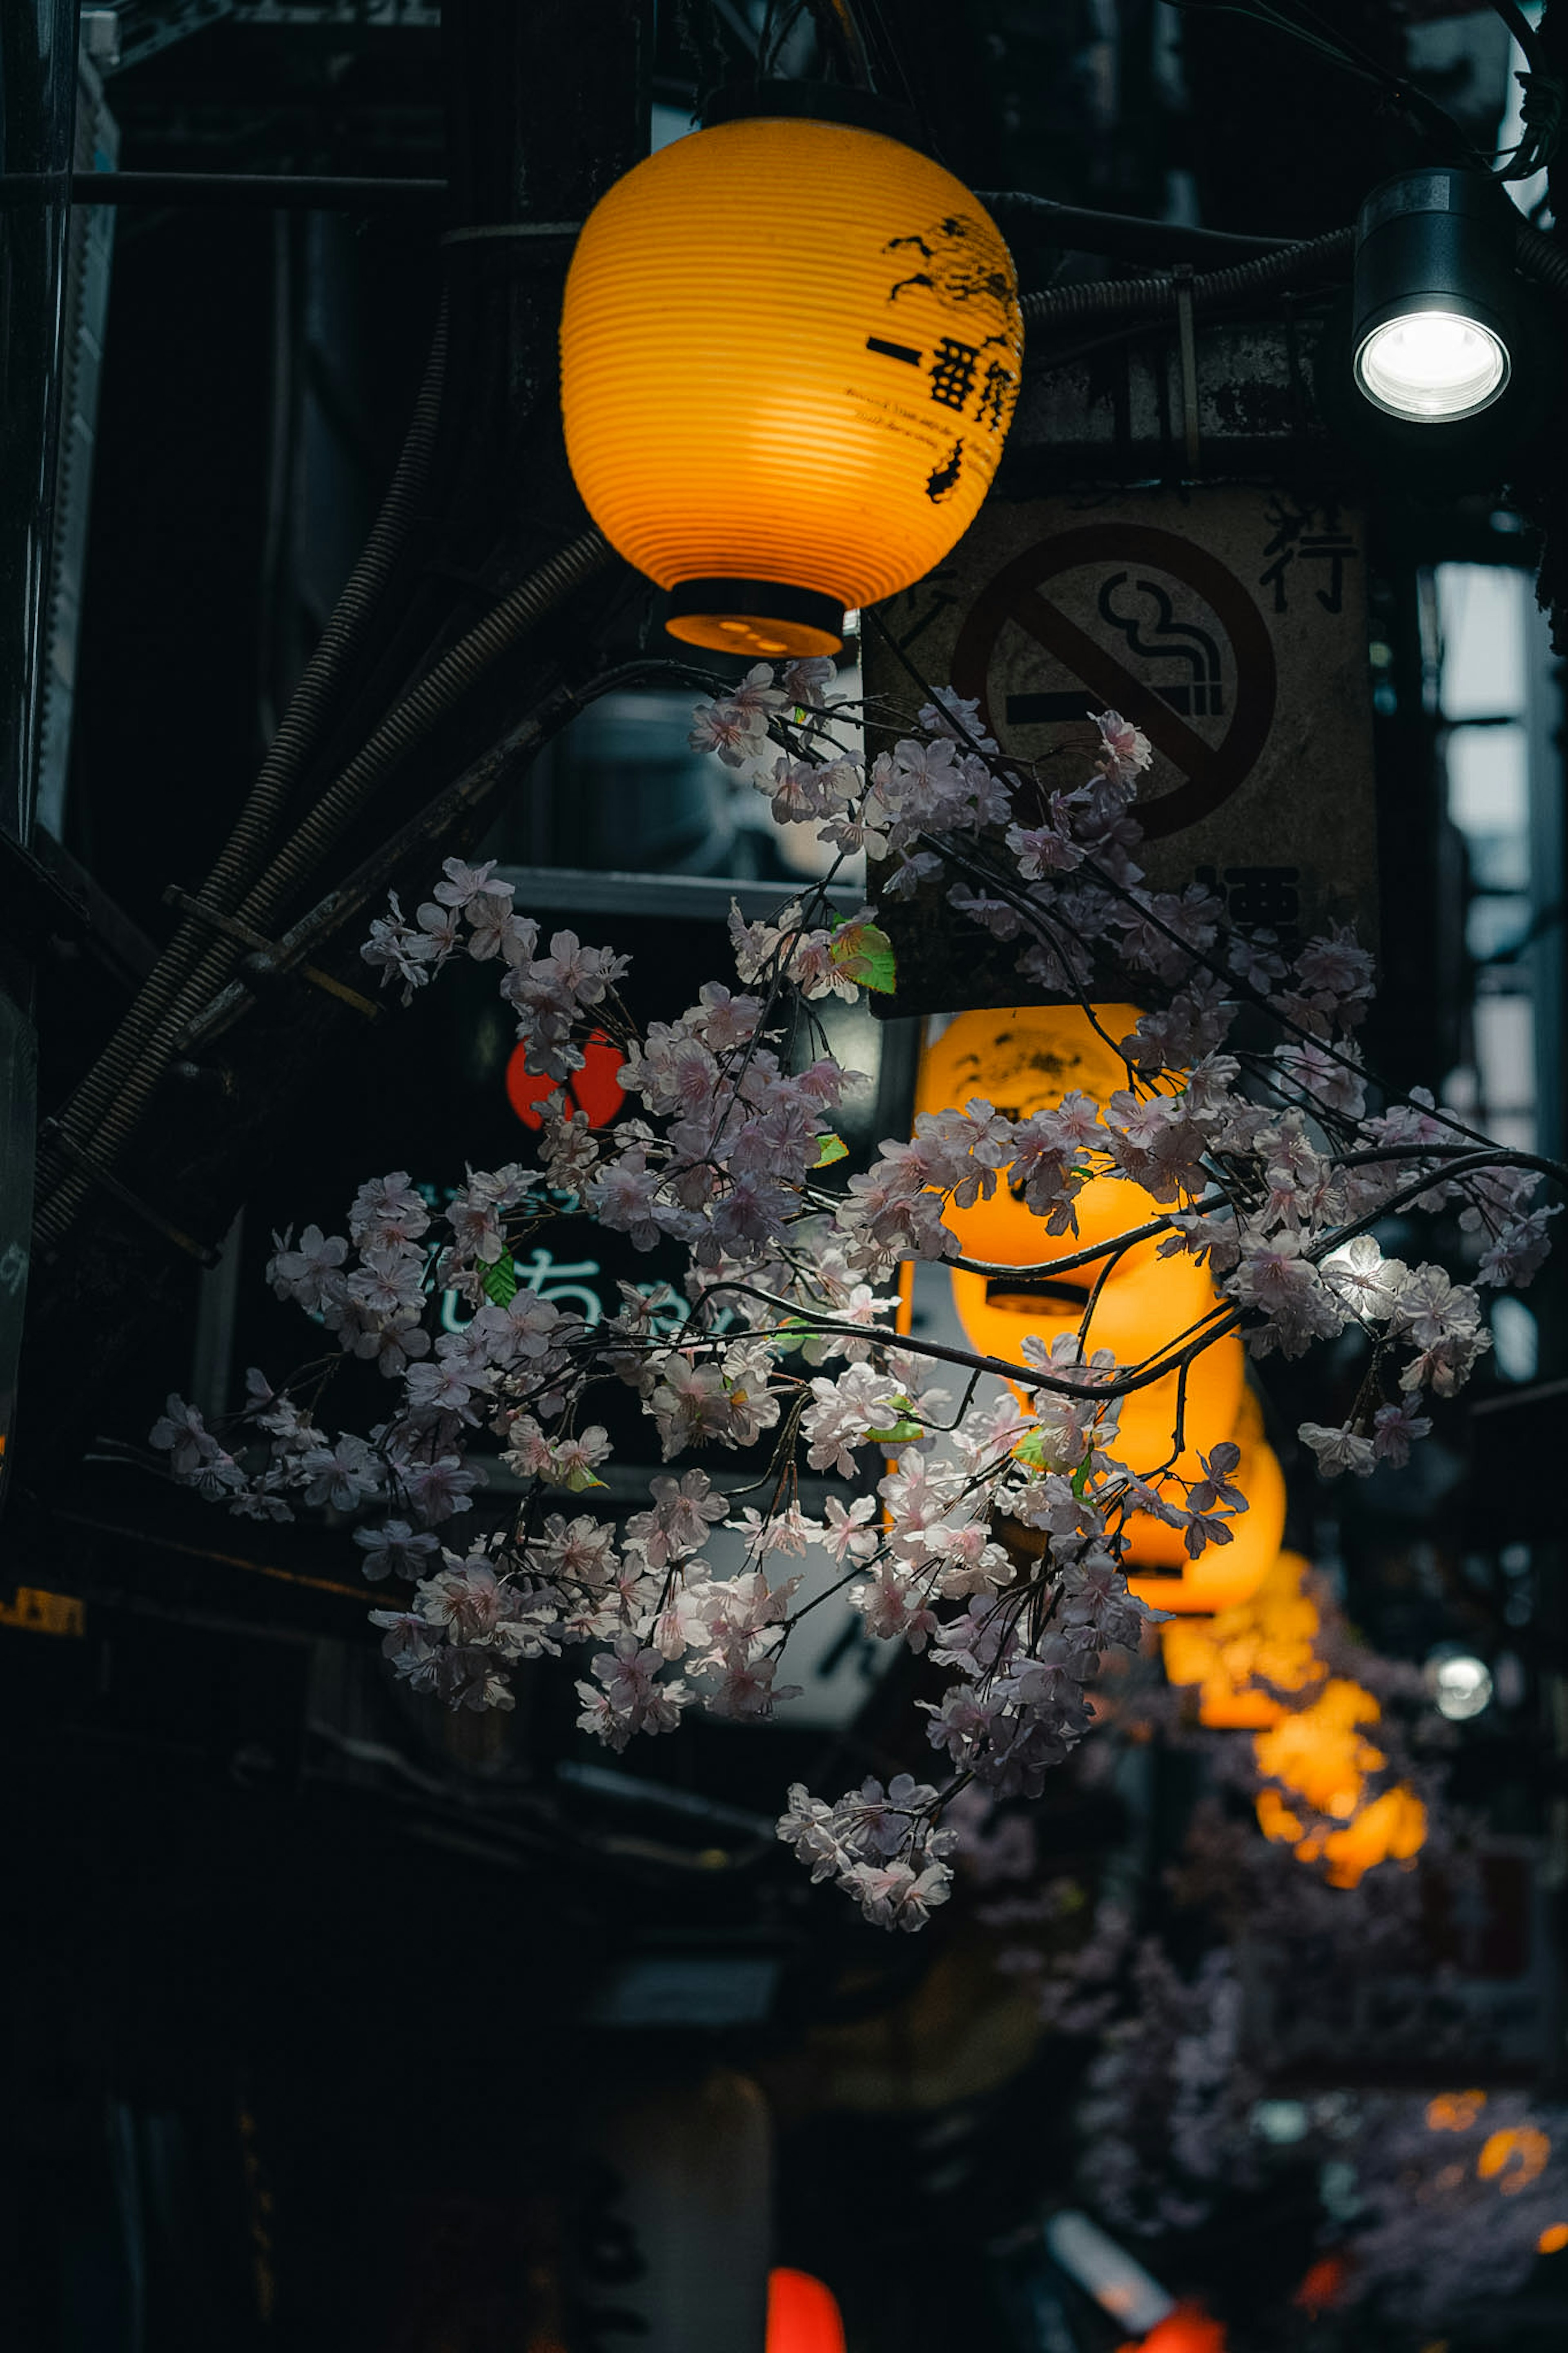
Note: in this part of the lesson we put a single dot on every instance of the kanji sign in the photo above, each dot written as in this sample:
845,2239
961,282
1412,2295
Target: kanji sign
1229,624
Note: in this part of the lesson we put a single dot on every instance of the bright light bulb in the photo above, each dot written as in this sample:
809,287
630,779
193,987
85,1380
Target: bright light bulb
1432,365
1460,1685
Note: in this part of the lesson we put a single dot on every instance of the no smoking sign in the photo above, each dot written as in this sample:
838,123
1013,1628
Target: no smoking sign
1230,626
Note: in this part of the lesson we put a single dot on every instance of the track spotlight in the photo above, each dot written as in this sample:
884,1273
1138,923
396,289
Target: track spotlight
1435,306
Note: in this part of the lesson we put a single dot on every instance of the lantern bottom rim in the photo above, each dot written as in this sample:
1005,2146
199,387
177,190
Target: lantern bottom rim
769,618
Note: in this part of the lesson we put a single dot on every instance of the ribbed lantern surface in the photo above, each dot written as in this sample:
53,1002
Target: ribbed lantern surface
1145,1306
790,354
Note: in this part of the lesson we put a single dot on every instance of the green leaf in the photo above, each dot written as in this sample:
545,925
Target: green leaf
501,1280
1080,1477
577,1482
865,954
830,1148
897,1433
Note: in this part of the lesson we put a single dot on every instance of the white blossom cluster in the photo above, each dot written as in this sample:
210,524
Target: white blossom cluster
994,1538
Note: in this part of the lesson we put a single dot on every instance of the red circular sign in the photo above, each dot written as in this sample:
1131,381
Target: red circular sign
1211,771
595,1088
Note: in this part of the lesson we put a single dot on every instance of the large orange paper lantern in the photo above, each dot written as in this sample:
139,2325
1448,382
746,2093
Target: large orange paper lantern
790,352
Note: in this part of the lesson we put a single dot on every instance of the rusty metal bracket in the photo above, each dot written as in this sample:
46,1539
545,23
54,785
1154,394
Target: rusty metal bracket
51,1133
267,959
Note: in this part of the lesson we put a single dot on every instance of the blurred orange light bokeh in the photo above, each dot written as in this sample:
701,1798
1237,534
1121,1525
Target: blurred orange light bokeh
1322,2286
1454,2111
1188,2329
1266,1640
1514,2158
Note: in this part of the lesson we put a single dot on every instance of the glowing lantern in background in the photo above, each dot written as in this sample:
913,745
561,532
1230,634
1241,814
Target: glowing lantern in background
1025,1060
1391,1829
1318,1753
802,2315
1268,1638
1188,2329
790,352
1223,1576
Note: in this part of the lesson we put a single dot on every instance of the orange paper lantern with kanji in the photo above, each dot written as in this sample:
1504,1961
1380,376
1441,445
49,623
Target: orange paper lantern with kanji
790,352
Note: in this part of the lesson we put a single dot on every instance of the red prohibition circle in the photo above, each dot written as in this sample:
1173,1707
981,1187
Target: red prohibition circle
595,1088
1212,771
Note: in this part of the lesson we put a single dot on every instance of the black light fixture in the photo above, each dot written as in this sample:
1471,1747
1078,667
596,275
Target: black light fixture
1435,305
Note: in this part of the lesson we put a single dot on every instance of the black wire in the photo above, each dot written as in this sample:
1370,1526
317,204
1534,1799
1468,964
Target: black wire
695,34
1523,32
1331,44
777,27
887,54
1128,235
839,33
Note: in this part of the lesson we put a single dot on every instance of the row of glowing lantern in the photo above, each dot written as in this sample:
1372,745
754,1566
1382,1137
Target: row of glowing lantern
1145,1306
1244,1628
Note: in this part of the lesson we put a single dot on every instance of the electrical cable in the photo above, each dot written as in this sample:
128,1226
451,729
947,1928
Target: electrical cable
81,1119
1083,231
1340,50
1541,257
1535,255
837,30
404,726
1326,256
412,719
1523,32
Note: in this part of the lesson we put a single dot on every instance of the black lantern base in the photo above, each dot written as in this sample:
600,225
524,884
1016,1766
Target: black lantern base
758,618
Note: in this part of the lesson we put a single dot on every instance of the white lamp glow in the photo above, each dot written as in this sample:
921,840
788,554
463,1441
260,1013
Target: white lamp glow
1460,1685
1432,366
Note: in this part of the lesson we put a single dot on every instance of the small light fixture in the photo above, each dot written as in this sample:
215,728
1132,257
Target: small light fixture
1459,1683
1435,311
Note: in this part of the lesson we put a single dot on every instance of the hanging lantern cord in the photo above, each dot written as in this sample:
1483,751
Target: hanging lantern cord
835,21
838,31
